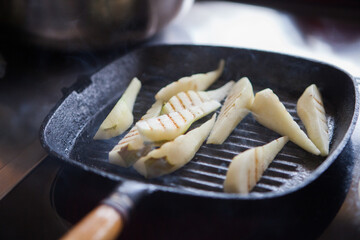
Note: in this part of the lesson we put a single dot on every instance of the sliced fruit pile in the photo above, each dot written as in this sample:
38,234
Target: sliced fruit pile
171,155
130,147
155,145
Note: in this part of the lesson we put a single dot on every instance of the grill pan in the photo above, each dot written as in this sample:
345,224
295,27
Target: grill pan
297,191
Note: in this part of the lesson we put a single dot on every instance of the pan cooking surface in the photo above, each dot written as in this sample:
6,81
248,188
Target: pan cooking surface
156,67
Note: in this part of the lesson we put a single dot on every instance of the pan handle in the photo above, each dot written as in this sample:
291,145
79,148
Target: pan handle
107,220
104,222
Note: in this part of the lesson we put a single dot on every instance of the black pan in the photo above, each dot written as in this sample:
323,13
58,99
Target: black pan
299,193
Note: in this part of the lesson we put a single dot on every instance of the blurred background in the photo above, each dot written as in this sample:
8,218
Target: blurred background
46,45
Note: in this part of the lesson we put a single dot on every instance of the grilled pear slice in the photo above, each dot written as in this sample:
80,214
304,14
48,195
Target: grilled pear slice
120,118
220,93
196,82
169,126
131,147
271,113
184,100
174,154
246,169
311,111
235,108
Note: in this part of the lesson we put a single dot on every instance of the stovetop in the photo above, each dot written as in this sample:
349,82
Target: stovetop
51,196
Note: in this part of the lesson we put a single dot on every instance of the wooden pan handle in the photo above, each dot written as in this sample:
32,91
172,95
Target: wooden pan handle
104,223
107,220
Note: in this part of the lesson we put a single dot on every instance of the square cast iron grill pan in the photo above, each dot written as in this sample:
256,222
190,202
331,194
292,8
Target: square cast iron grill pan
293,180
72,125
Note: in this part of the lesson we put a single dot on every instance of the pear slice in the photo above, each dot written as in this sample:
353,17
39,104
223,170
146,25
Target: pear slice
169,126
175,154
184,100
196,82
220,93
246,169
235,108
271,113
131,147
120,118
311,111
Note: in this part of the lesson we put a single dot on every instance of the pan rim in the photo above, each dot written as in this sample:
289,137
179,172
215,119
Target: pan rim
205,193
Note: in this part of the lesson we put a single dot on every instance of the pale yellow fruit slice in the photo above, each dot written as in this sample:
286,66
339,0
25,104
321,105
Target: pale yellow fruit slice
235,108
120,118
184,100
196,82
220,93
175,154
246,169
131,147
169,126
311,111
271,113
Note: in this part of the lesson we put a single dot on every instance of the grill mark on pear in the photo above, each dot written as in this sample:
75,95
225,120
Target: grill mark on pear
189,97
173,120
161,123
181,102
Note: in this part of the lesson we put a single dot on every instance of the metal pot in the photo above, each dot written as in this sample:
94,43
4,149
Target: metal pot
74,25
